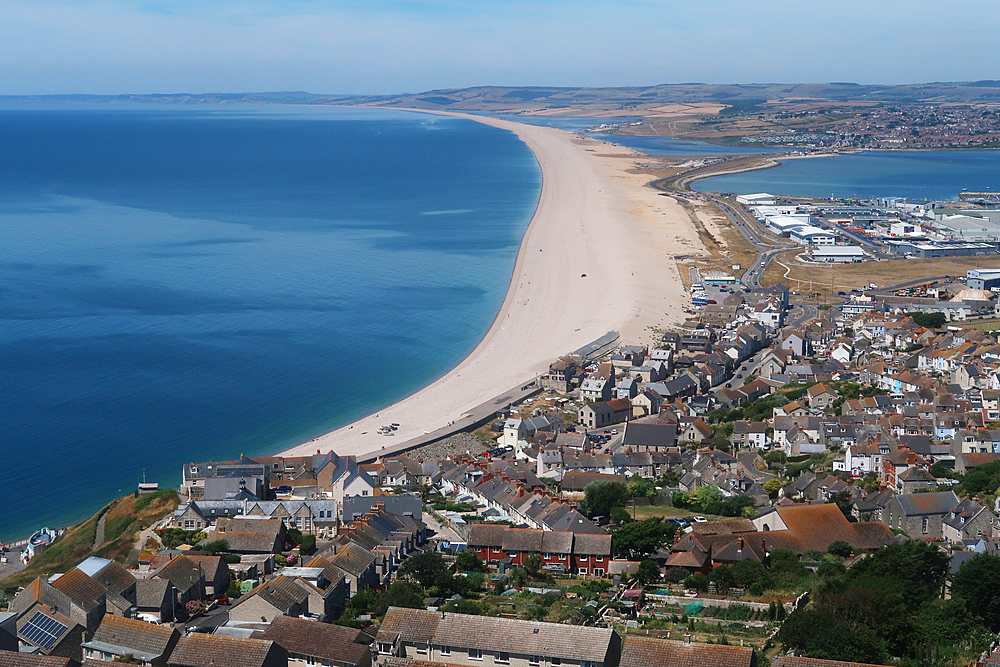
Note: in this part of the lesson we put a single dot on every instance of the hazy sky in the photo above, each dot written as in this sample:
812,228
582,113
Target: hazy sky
359,46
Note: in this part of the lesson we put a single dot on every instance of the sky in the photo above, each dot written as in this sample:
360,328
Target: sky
398,46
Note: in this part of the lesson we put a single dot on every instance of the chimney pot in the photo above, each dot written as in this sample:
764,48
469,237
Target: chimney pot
687,638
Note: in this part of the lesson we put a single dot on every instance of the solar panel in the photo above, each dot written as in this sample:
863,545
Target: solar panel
42,631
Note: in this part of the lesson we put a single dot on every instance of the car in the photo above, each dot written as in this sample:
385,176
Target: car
729,385
614,431
201,628
284,488
739,375
712,301
841,293
222,599
700,519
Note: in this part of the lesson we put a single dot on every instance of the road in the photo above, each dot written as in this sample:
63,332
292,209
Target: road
805,313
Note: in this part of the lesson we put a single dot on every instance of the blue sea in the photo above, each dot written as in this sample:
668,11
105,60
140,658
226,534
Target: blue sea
925,175
182,284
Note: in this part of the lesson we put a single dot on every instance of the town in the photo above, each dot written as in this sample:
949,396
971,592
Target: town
757,487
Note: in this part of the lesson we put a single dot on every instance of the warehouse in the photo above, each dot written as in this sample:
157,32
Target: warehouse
837,254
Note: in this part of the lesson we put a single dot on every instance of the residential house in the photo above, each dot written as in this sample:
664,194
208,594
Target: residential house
820,396
203,650
118,637
433,637
280,596
920,515
309,643
606,413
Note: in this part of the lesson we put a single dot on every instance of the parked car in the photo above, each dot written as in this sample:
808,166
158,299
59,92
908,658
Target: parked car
700,519
222,599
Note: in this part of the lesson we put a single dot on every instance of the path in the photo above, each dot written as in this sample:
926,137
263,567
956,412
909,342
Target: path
99,533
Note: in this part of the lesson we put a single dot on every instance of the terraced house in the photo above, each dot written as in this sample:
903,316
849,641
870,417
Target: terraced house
579,553
481,640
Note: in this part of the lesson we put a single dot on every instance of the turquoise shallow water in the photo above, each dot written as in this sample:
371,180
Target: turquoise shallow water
934,175
191,283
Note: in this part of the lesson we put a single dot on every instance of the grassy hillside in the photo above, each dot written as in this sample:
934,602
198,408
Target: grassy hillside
123,520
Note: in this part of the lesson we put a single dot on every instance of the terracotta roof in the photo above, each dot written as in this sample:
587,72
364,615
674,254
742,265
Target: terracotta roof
321,640
789,661
15,659
81,589
572,642
139,637
414,625
201,650
644,651
815,527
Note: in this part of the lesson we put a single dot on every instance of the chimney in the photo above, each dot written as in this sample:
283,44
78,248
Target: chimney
739,549
687,638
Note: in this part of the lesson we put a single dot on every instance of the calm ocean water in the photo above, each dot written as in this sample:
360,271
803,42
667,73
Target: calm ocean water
191,283
935,175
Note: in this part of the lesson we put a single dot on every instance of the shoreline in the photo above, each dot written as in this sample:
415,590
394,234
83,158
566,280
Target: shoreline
600,224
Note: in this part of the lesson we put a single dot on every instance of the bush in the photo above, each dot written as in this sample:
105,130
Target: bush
307,545
231,558
215,547
697,582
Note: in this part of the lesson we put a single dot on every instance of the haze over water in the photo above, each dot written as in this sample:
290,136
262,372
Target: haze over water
188,283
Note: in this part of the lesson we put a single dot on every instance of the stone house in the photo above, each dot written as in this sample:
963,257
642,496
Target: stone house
920,515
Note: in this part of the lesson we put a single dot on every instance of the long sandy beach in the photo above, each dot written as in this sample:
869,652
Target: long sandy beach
596,257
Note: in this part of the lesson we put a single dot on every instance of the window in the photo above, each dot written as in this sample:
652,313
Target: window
583,558
582,571
923,525
475,654
503,657
188,524
555,661
532,659
445,650
384,648
422,649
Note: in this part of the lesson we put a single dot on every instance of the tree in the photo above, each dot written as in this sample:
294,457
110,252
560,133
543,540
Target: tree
599,497
845,502
463,607
708,498
641,488
216,547
772,486
929,320
619,515
697,582
918,568
647,572
399,594
641,538
737,506
533,564
424,568
840,548
748,572
469,561
977,582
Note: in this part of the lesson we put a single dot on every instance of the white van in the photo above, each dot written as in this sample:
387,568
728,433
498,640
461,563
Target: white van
148,618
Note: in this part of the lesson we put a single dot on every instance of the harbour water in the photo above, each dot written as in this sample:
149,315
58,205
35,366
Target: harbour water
923,175
181,284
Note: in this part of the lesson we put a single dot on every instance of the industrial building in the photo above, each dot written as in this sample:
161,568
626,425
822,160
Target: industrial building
982,279
837,254
809,235
757,199
941,248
